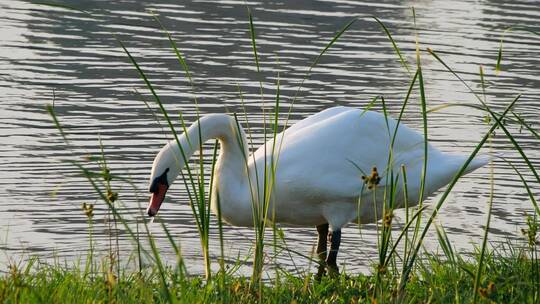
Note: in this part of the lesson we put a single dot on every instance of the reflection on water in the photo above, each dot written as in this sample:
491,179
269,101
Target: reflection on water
72,59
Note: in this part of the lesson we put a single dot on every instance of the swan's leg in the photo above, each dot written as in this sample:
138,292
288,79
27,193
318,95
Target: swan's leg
331,261
322,248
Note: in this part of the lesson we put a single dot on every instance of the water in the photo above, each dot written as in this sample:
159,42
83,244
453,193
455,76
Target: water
72,59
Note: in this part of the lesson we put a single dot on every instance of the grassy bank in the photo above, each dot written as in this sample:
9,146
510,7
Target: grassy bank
510,276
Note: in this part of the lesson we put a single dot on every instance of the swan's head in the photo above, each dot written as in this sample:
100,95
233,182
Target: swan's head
165,169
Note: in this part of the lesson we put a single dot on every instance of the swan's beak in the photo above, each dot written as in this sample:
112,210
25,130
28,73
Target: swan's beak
158,196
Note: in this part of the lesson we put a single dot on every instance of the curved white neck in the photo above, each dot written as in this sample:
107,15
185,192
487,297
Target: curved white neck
231,185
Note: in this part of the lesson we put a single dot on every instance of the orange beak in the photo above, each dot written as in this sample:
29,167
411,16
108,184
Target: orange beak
158,196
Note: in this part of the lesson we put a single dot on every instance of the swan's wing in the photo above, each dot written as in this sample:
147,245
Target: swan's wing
308,122
316,118
325,158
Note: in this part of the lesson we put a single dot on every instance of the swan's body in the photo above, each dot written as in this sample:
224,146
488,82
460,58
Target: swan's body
319,163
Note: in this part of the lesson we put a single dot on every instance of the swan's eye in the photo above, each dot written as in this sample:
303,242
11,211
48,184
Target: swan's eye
160,180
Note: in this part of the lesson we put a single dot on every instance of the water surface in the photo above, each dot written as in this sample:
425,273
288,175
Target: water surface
52,55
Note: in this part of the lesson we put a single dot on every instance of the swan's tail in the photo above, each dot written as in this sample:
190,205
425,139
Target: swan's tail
444,170
477,162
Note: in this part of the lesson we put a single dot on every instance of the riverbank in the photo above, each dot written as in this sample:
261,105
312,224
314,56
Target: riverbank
511,275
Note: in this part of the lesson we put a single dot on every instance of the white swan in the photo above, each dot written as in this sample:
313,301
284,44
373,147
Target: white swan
319,169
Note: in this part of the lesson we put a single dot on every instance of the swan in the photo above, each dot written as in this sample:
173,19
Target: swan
322,165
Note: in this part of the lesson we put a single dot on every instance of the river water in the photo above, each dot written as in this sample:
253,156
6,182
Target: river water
73,59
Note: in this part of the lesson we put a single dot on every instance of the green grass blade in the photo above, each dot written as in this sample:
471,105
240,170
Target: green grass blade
394,45
63,6
445,244
499,58
253,42
404,232
51,112
526,185
177,52
479,270
449,105
423,103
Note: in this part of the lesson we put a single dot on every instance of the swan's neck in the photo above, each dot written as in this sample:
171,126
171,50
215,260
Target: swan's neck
231,184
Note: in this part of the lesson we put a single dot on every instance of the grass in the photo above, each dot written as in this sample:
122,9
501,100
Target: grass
403,272
507,279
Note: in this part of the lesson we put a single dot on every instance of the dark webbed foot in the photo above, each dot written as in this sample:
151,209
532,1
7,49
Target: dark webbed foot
331,260
327,259
322,231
